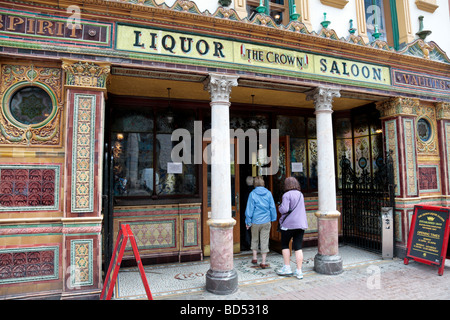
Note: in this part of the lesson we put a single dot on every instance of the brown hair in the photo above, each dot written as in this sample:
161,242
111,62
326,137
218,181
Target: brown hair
291,183
258,181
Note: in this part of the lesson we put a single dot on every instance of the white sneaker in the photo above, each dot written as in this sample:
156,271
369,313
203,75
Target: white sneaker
284,271
297,274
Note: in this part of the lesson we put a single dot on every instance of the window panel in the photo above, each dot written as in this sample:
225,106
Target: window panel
133,163
168,183
135,146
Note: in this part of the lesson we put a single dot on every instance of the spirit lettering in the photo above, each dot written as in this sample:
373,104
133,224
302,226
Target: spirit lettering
34,26
14,22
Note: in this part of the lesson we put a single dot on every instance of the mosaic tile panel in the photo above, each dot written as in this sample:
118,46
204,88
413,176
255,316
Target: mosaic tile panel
19,265
29,187
429,178
190,235
447,143
410,157
154,234
391,145
83,153
81,263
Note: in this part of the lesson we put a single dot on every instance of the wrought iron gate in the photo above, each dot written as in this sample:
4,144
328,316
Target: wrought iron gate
363,197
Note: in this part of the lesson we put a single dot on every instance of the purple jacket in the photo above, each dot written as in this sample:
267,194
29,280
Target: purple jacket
297,218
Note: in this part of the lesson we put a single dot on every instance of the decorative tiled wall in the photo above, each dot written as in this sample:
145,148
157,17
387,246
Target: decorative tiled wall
21,264
161,230
29,187
81,263
83,140
429,178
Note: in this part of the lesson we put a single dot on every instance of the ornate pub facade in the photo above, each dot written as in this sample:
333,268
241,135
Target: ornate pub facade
98,98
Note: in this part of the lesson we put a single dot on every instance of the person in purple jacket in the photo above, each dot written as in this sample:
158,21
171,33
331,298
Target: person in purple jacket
293,224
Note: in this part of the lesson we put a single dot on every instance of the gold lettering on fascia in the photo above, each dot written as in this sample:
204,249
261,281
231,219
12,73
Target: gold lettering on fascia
51,28
416,80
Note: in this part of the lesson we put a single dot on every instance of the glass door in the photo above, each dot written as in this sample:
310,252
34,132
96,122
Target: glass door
277,188
206,206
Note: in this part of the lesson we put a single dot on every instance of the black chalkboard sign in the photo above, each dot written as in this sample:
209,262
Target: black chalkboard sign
429,236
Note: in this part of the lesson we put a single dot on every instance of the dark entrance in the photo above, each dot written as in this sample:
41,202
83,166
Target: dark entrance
363,196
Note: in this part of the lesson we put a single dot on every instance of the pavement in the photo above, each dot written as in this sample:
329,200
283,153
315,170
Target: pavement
377,279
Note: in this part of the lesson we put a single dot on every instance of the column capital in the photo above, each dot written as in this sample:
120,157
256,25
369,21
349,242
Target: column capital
398,106
323,98
443,111
86,74
219,86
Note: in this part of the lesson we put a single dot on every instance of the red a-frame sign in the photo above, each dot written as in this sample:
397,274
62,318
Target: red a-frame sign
125,233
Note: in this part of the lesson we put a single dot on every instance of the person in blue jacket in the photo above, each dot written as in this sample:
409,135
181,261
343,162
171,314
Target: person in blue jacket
259,214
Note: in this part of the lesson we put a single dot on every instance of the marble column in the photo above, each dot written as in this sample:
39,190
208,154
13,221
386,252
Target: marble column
221,278
327,260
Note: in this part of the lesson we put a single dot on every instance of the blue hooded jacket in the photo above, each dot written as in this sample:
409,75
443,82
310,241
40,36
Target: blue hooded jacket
260,207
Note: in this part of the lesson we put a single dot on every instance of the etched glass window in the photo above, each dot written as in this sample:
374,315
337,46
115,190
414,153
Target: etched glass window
30,105
424,129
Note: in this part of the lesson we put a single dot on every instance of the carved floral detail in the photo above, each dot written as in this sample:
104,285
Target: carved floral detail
398,106
17,76
219,86
323,98
86,74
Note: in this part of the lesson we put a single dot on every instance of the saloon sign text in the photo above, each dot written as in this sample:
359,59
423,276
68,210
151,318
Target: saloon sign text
169,43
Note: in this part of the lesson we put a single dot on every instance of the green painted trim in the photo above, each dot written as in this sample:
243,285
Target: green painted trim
394,19
210,64
16,87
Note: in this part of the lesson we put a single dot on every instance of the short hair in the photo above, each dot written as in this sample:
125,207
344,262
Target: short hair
291,183
258,181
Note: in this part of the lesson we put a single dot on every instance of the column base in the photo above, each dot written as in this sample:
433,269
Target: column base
330,265
221,282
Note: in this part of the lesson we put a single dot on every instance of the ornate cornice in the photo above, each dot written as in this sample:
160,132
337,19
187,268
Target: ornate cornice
227,21
398,106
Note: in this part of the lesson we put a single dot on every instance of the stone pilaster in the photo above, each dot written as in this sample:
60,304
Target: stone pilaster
443,127
85,86
327,260
398,117
221,278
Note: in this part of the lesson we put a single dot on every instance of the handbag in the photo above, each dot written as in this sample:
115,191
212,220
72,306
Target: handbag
288,213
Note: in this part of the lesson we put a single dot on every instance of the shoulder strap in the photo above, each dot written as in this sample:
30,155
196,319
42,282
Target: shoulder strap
299,197
289,212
